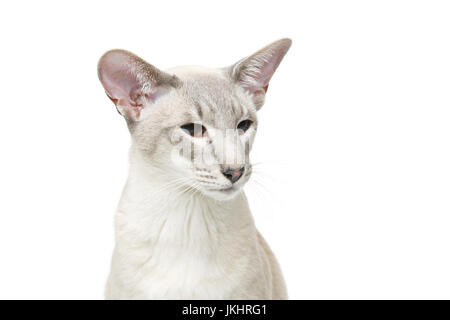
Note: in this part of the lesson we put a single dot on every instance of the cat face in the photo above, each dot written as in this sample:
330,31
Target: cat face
195,125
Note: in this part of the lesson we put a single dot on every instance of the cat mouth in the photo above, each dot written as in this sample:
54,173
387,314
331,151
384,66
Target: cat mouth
233,188
223,192
229,189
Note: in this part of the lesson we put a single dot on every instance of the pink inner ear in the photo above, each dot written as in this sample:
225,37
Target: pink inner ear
266,72
118,74
255,72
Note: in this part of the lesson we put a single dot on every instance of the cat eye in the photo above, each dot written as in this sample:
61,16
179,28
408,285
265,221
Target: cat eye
195,130
244,125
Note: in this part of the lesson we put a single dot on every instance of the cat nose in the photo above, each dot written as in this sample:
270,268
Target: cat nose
233,174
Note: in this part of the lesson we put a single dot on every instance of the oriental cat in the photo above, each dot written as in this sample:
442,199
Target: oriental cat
183,228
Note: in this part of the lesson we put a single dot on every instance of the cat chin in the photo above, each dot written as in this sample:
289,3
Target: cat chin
222,195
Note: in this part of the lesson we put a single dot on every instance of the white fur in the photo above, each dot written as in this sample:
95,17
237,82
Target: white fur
189,247
183,228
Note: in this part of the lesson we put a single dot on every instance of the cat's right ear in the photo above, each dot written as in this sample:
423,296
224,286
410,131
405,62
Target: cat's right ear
131,83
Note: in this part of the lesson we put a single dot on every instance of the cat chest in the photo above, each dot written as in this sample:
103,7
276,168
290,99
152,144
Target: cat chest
188,276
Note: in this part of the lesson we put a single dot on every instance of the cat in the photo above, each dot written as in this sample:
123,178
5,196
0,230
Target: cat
183,228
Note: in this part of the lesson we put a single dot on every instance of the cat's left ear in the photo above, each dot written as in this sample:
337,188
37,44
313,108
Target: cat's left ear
254,72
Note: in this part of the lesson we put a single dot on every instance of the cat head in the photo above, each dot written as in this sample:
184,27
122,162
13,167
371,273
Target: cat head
195,125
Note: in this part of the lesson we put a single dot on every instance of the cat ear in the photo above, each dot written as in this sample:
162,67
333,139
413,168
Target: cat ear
131,83
254,72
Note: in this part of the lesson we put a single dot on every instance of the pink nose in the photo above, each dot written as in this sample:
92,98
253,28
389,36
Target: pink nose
233,174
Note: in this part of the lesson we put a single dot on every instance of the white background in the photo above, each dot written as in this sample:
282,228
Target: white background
354,139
